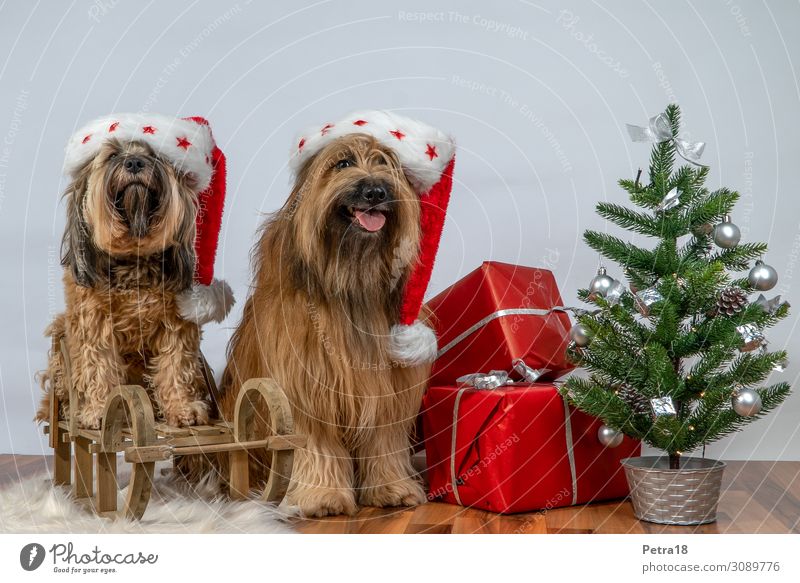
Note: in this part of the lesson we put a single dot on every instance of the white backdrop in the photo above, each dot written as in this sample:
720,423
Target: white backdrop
536,94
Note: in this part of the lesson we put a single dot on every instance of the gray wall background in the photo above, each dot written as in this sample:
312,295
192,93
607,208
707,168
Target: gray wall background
536,93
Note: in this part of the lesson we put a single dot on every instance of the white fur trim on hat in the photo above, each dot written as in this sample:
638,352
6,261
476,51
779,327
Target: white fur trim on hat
413,345
185,143
423,151
205,303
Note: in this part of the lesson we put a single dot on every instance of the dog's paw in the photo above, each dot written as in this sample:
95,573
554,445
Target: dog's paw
407,492
90,418
193,413
318,502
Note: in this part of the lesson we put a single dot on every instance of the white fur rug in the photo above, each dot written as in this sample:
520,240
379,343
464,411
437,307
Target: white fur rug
33,505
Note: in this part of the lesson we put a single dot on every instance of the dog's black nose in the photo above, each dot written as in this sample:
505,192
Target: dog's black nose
374,193
134,165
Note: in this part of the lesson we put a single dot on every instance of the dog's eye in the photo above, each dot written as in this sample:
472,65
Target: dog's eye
112,156
345,163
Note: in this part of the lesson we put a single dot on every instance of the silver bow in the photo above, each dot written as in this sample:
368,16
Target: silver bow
769,306
528,374
659,131
498,378
481,380
670,201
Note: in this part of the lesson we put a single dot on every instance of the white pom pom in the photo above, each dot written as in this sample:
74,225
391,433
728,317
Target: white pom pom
206,303
413,345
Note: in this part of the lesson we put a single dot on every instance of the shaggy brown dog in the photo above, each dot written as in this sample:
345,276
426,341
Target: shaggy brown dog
128,250
329,273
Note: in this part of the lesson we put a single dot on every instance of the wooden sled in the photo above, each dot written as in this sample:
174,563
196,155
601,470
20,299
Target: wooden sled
129,426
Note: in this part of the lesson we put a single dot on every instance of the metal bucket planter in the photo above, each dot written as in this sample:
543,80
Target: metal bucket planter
685,496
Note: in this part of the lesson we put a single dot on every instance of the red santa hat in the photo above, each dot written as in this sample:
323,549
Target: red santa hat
427,156
189,146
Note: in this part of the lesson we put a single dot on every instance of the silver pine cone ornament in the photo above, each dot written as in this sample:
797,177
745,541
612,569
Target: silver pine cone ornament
731,301
637,403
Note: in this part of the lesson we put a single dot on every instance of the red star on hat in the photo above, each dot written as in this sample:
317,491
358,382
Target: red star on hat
431,152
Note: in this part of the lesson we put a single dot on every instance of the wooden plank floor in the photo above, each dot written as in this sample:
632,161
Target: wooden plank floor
757,497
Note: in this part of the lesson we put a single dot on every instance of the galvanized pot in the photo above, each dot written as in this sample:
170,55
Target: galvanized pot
688,495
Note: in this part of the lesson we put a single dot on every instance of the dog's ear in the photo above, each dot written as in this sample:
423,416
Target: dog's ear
179,259
178,266
78,251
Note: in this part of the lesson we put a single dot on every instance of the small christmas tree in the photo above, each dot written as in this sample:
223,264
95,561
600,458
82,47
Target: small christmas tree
675,361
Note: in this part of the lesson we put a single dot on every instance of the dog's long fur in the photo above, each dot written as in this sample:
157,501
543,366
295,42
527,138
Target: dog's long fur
128,250
325,294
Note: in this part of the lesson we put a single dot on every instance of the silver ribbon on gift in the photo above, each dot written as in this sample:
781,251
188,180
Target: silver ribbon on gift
504,314
659,131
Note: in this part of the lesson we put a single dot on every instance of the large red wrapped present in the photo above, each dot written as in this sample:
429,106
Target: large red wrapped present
496,314
517,448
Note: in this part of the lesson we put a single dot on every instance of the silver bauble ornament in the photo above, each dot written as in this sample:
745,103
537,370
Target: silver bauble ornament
746,403
609,437
580,335
727,234
601,283
615,293
762,277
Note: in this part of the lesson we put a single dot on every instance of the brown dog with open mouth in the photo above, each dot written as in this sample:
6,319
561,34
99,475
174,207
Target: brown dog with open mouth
340,271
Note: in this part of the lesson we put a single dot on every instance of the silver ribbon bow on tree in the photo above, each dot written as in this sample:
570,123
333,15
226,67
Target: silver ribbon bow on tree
659,131
769,306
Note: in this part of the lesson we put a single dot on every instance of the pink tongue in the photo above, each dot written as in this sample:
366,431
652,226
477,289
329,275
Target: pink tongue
371,220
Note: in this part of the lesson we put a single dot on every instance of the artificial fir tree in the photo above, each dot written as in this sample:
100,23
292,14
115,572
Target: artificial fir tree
672,360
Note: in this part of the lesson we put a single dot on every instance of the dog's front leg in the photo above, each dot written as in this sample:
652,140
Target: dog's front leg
96,364
385,474
322,477
175,374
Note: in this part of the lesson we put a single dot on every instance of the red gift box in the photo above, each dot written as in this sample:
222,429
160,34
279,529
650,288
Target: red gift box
498,313
517,448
